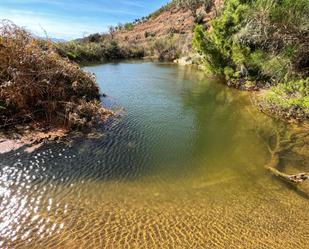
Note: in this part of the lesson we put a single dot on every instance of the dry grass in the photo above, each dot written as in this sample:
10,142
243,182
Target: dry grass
38,85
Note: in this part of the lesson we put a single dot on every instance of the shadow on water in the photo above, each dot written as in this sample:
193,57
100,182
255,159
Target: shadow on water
114,156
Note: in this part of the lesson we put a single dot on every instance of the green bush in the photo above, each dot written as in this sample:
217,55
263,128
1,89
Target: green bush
129,26
166,48
290,98
214,60
265,41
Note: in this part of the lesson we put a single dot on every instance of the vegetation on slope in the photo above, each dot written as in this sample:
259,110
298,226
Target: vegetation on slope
106,49
100,50
38,85
262,43
194,5
164,34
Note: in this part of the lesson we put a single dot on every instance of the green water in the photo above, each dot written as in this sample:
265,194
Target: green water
180,166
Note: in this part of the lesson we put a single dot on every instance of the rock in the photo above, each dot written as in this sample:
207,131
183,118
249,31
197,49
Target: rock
184,61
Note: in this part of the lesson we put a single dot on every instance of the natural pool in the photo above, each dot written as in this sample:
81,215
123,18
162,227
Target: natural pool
181,167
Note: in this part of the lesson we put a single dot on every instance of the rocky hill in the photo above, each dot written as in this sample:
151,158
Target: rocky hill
165,34
173,22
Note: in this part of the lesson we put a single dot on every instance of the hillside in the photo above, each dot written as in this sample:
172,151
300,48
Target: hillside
165,34
174,21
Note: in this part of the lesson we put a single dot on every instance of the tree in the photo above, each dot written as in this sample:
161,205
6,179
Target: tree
95,38
111,30
193,5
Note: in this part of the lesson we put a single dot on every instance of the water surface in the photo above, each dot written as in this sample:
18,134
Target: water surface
181,167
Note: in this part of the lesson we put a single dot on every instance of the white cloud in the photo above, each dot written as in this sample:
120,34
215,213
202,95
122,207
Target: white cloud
55,26
69,24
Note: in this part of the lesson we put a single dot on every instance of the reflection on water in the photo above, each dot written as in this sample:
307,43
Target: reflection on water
182,168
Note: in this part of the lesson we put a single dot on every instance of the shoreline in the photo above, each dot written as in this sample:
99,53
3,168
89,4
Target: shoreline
33,137
32,140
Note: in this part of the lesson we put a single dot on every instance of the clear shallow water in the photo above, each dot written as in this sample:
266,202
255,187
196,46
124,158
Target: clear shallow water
182,167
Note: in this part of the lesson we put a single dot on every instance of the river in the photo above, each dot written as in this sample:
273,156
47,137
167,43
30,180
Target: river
180,166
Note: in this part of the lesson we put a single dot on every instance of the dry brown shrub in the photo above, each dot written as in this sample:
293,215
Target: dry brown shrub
37,84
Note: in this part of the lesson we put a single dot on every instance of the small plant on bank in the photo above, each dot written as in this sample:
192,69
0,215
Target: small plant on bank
166,48
290,100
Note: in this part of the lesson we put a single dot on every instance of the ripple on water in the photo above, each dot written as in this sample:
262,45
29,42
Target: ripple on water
182,168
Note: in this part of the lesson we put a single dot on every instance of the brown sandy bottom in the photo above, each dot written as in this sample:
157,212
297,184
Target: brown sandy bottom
153,181
190,214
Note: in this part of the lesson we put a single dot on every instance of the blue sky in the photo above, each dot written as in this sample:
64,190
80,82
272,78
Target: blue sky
69,19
